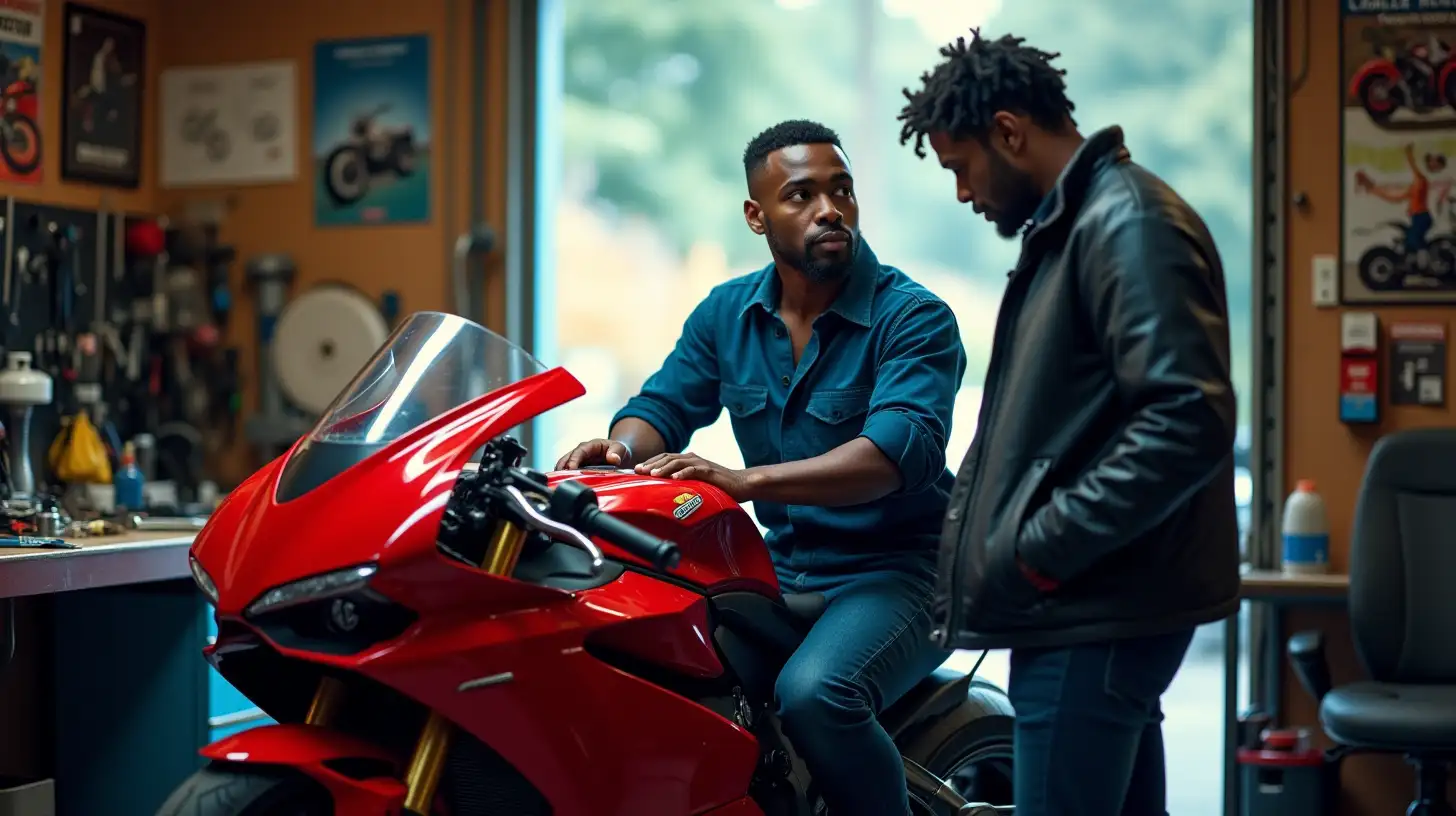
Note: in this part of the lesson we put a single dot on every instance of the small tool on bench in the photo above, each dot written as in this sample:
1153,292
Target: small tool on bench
172,524
38,542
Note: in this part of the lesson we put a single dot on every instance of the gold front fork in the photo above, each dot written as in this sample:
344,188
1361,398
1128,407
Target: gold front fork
422,777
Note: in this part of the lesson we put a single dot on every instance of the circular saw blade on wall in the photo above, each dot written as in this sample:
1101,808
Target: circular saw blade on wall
323,338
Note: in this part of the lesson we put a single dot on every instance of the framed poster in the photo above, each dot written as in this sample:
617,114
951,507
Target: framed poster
371,131
229,124
22,32
101,121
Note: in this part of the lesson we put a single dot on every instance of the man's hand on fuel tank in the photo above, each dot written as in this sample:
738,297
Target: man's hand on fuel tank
696,468
596,452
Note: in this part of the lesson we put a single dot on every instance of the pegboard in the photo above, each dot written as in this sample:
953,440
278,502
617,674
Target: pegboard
64,272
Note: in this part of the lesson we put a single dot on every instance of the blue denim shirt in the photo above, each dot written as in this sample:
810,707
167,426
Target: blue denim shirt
884,362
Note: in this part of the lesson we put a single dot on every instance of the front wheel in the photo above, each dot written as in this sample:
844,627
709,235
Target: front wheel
346,176
220,790
972,750
1381,269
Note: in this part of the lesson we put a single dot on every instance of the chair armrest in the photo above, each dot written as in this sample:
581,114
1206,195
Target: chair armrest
1311,666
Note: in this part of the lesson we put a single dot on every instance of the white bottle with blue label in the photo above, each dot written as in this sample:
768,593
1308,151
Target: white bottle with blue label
1306,531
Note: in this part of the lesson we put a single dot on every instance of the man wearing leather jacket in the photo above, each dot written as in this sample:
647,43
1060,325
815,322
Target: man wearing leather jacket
1092,525
840,375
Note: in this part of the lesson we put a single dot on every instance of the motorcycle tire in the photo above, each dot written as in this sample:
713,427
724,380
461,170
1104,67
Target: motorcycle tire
1381,258
19,122
345,188
223,790
971,747
1367,88
1442,260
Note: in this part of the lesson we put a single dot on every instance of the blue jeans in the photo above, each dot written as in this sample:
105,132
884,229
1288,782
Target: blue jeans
1089,726
871,646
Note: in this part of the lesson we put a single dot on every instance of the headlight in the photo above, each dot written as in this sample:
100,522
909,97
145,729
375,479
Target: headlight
317,587
203,580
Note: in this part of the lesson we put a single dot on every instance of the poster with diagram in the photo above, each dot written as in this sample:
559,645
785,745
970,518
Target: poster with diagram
371,131
231,124
22,31
1398,211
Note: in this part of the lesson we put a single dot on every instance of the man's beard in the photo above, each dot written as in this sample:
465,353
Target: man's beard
818,270
1015,194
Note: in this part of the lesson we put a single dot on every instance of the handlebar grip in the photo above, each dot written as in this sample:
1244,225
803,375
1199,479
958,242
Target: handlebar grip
659,552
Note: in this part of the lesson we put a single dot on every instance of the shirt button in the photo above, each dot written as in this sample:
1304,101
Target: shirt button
778,331
784,379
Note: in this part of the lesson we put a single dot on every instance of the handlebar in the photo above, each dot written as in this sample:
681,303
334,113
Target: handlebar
576,504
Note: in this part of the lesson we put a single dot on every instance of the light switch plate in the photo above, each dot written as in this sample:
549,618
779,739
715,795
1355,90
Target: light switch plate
1326,281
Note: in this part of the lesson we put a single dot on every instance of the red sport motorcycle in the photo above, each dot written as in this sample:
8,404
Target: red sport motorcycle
437,636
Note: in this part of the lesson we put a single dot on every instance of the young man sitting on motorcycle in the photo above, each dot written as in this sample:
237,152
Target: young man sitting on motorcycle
1093,524
840,375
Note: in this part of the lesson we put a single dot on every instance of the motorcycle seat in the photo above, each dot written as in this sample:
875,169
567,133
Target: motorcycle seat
806,607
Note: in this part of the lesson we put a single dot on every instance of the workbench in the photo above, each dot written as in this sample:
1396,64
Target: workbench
1273,592
107,693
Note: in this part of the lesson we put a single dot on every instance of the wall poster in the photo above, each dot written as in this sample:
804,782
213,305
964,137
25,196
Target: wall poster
232,124
371,131
22,31
101,122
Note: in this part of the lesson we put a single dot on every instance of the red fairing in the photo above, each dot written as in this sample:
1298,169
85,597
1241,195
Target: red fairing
387,508
307,749
596,740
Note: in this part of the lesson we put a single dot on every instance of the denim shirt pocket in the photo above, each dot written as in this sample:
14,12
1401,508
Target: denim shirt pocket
838,415
747,407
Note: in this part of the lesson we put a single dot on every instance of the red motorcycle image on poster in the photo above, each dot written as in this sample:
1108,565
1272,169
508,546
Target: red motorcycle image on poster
19,133
1419,76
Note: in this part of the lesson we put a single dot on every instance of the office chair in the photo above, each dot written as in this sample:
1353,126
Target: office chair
1402,616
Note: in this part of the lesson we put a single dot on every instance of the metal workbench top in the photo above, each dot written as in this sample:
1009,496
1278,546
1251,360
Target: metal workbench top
102,561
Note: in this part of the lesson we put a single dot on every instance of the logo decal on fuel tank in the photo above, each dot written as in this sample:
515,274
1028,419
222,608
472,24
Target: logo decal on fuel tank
687,504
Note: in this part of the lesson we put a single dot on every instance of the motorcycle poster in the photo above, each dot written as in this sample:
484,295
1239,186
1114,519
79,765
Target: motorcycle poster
234,124
101,119
371,131
21,35
1398,208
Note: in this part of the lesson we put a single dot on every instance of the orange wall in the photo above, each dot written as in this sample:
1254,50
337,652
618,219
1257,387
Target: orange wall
1317,444
52,190
410,259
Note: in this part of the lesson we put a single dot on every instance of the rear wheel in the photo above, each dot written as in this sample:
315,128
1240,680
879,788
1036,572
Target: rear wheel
221,790
974,755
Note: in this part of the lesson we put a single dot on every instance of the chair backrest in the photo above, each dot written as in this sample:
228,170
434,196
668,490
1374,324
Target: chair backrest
1403,559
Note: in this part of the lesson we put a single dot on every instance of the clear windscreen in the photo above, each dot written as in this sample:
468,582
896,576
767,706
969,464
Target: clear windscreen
431,363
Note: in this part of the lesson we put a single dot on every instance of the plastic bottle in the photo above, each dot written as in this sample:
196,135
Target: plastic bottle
1306,531
128,481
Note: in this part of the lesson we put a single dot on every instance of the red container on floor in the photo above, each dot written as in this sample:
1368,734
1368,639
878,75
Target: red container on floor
1285,776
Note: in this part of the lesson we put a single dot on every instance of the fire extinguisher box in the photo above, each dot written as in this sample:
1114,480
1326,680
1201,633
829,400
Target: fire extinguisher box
1285,776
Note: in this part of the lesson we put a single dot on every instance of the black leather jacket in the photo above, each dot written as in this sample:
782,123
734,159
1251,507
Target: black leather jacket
1103,456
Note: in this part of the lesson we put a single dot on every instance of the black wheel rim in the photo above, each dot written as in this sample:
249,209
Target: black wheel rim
983,775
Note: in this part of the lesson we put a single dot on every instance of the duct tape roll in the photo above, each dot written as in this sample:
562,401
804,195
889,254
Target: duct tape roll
322,339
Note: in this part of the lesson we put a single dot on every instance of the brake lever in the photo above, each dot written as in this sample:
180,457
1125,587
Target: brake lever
563,531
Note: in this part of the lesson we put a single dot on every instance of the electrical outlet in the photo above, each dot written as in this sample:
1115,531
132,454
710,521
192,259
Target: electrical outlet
1326,281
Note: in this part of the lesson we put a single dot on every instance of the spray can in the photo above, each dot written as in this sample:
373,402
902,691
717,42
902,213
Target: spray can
1306,531
128,482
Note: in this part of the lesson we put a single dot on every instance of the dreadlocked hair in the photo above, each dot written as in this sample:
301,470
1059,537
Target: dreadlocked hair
978,78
